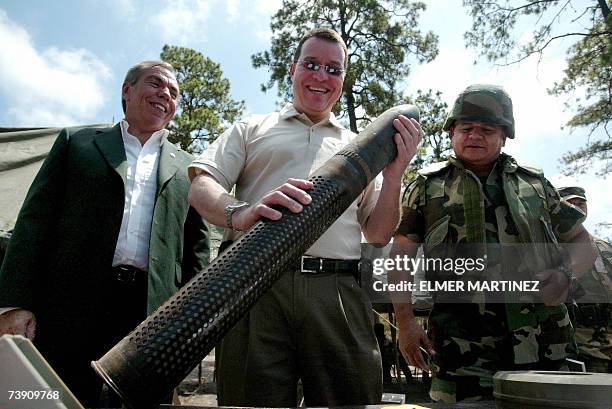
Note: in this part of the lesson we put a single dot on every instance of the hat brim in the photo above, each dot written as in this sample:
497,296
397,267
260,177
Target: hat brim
449,123
570,197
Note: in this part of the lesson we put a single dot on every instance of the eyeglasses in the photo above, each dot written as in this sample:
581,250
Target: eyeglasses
313,66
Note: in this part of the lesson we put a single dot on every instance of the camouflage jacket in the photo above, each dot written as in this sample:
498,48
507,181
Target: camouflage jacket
447,198
448,204
597,283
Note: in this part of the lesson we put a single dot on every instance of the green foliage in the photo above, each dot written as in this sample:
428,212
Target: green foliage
382,38
589,60
589,68
582,160
205,108
436,144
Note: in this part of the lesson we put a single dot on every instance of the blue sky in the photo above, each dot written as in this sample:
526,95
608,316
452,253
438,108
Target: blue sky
82,49
63,62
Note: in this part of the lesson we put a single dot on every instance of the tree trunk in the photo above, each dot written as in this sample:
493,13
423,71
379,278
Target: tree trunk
605,9
350,108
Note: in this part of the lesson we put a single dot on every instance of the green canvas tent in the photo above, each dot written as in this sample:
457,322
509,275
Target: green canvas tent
22,152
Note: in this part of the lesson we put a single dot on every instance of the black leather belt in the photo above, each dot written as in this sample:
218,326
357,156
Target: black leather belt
316,265
128,274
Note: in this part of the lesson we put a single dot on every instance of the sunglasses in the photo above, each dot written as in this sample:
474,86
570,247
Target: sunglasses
313,66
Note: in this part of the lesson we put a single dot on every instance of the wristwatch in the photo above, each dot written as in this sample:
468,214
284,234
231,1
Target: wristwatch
230,209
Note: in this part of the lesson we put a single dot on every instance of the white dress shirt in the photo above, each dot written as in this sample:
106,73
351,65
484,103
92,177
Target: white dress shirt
133,242
141,183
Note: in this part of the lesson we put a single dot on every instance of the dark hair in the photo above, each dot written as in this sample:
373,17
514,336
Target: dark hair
326,34
136,71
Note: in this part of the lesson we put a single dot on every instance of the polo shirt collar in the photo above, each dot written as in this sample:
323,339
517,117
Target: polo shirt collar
289,111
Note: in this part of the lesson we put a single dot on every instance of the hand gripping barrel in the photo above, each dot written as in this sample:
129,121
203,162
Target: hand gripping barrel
146,365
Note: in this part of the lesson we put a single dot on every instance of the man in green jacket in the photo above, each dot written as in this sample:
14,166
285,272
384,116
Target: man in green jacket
482,203
105,234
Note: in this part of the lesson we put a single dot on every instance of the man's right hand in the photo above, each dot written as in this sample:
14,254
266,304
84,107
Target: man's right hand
18,322
290,194
411,338
554,286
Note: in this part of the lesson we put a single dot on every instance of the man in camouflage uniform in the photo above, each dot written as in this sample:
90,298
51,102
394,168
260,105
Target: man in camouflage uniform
484,198
591,312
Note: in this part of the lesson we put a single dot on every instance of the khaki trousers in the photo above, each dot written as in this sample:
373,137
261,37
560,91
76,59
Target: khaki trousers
317,328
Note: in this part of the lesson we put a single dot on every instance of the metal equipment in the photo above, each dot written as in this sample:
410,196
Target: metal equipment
147,364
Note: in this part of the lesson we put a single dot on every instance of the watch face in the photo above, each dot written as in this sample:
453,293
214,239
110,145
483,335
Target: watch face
230,209
236,206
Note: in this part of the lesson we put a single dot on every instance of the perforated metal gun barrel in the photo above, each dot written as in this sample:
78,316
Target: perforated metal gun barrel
145,366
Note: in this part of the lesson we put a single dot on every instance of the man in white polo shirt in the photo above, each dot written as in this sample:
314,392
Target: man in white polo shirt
315,323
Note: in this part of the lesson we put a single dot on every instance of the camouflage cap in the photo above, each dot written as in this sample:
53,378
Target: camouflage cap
483,103
572,192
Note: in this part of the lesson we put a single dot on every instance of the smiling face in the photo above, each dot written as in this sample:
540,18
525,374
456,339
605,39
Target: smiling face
151,101
316,92
477,143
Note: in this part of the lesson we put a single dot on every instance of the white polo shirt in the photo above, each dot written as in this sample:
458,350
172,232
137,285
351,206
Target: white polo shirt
261,153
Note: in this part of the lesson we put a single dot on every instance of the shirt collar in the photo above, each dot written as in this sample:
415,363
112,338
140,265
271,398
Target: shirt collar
156,139
504,162
289,111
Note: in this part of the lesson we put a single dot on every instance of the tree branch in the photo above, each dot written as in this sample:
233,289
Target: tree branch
550,40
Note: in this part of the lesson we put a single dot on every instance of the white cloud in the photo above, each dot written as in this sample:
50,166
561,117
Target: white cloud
232,9
260,19
49,88
449,73
535,110
268,7
539,116
182,21
123,8
452,71
264,35
185,22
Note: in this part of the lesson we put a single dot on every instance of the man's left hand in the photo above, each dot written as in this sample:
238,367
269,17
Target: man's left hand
554,286
18,322
407,139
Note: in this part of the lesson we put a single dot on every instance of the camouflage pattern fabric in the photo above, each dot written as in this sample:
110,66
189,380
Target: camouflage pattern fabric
604,265
447,205
592,317
483,103
597,283
591,312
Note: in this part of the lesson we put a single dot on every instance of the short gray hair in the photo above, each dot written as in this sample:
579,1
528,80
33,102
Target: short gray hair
136,71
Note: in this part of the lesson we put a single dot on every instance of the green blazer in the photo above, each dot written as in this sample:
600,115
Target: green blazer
58,260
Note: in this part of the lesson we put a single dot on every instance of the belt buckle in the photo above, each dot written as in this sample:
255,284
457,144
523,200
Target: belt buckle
125,274
304,270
